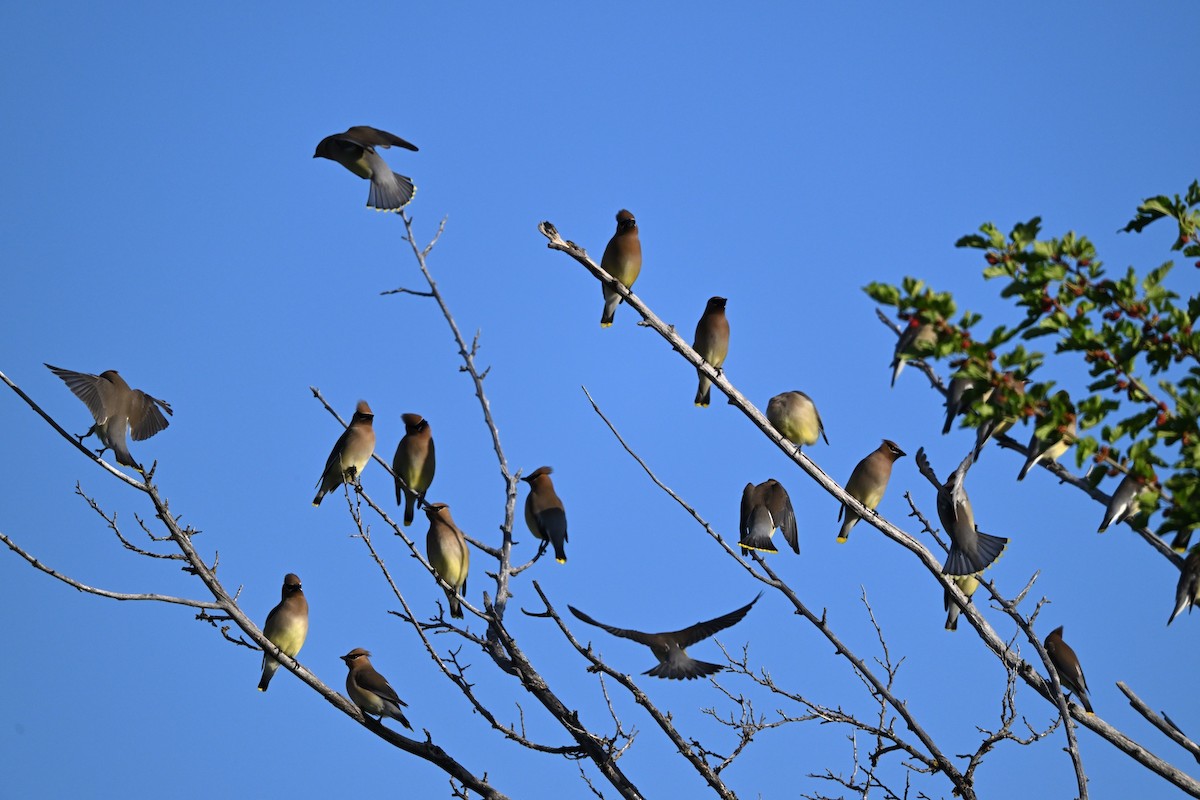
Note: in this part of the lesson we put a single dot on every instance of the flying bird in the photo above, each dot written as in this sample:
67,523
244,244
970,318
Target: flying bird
446,548
1066,664
711,343
971,550
286,627
414,464
766,507
369,690
623,260
544,513
117,409
967,584
671,648
1187,592
868,482
795,416
917,336
351,452
355,150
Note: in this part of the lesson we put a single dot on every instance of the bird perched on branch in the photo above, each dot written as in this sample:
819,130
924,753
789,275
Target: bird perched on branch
916,337
544,512
1187,591
446,548
414,464
286,627
1124,501
671,648
622,259
795,416
355,150
351,452
1053,442
868,482
369,690
1066,664
766,507
711,343
116,409
971,550
1001,419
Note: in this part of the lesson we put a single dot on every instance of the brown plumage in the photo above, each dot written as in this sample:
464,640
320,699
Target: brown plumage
351,452
916,338
711,343
1054,442
286,626
116,409
355,150
446,548
796,418
971,550
1066,664
1124,501
671,648
766,507
1008,391
544,513
369,690
868,482
623,260
414,464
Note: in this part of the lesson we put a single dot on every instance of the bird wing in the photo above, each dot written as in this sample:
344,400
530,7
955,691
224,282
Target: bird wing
702,630
145,419
784,515
86,387
926,470
375,683
367,136
624,633
747,506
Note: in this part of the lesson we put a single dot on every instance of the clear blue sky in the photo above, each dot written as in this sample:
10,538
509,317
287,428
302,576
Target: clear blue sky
162,215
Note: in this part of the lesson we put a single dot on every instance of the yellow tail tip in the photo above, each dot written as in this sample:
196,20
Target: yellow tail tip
842,539
561,560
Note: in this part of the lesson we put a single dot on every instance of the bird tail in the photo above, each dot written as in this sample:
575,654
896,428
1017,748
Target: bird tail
844,534
684,669
269,667
897,368
611,301
1184,602
1181,541
988,548
410,507
455,605
1029,462
952,617
554,522
390,192
759,530
1082,697
704,392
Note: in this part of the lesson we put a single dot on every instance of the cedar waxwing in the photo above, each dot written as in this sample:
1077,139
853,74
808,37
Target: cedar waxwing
996,424
671,648
369,690
351,452
712,342
868,482
954,396
796,418
766,507
1066,664
355,150
917,337
1124,501
413,464
544,512
1055,441
286,626
623,260
116,408
1181,541
448,554
967,584
1187,593
971,550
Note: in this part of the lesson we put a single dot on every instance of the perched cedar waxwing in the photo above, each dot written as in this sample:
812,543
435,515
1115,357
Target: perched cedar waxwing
544,512
916,337
996,424
447,550
868,482
671,648
116,408
1124,501
623,260
954,396
286,626
1181,541
971,550
766,507
796,418
369,690
967,584
712,342
413,464
351,452
1187,593
1053,444
1066,664
355,150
